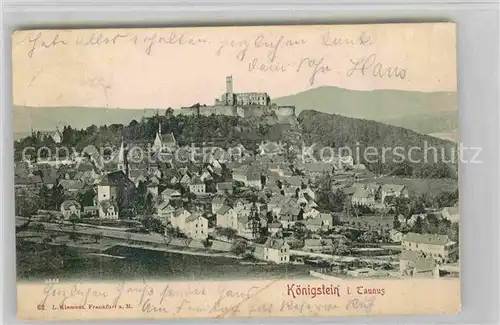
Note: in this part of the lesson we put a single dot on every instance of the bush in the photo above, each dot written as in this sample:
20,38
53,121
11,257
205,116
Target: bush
239,247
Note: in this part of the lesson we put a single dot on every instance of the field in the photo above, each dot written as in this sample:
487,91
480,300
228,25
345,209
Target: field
418,186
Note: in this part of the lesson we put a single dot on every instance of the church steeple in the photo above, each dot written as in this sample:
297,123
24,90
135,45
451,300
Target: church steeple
122,158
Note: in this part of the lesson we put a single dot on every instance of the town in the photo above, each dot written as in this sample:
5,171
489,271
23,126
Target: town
258,205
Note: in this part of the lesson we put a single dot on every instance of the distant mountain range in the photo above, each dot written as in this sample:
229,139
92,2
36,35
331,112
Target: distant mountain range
48,118
432,113
427,113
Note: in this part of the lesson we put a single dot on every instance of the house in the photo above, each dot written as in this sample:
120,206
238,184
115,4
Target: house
451,214
108,210
248,175
178,220
392,190
365,194
439,247
169,194
323,221
274,227
249,226
318,169
395,235
307,192
89,177
362,197
152,185
240,173
278,202
196,226
227,217
116,186
107,189
415,264
165,212
91,210
274,250
288,215
217,203
138,176
197,186
205,176
291,190
185,180
70,208
225,188
253,178
310,212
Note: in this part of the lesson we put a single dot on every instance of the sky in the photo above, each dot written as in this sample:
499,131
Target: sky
174,67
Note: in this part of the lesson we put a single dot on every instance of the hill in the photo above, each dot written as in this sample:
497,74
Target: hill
419,111
404,149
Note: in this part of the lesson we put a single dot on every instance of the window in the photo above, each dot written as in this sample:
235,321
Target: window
416,245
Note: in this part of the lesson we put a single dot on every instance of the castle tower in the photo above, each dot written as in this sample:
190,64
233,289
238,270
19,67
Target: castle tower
229,84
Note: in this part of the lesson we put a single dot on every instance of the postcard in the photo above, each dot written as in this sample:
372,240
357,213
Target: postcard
220,172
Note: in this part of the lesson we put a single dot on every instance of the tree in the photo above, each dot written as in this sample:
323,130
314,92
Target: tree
44,197
418,226
97,237
341,249
402,206
169,112
299,230
370,237
26,206
74,236
207,243
56,197
239,247
229,233
38,227
86,198
153,225
396,224
187,241
74,219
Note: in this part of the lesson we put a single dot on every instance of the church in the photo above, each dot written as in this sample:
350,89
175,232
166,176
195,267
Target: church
163,141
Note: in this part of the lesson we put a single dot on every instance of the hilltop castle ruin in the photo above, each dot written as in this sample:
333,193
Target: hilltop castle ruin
242,105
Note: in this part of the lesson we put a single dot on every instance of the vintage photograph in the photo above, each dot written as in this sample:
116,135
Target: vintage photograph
259,153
